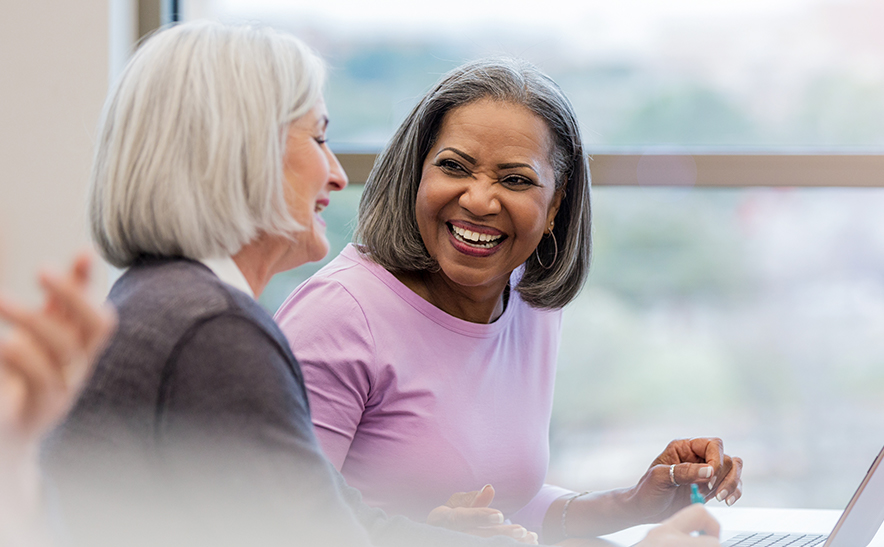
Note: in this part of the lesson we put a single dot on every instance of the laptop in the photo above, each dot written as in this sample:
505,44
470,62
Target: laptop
857,526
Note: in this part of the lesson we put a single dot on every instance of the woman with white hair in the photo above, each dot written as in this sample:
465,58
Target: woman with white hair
210,175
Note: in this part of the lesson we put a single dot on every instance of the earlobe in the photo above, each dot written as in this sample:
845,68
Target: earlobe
554,210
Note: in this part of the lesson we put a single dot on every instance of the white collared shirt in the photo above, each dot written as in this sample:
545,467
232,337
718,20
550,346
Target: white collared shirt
227,271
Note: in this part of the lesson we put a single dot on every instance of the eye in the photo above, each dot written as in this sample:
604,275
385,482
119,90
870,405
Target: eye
452,167
518,182
320,140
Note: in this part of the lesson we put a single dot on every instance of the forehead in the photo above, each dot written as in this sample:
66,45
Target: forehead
496,127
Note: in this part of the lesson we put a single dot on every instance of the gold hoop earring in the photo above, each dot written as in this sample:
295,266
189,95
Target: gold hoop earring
555,253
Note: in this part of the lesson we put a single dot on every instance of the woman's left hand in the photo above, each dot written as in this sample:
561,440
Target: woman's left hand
666,486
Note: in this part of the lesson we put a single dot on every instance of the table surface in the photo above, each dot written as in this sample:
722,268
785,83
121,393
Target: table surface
735,519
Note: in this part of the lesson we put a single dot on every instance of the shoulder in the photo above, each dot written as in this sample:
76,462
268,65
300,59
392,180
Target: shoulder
341,292
166,307
327,321
532,329
171,295
526,313
176,288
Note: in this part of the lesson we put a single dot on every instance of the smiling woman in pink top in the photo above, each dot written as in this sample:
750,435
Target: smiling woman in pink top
429,348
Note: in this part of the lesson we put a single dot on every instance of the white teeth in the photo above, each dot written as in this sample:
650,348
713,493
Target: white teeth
475,238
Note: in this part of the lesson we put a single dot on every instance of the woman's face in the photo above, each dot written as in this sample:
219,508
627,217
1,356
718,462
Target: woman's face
487,192
311,173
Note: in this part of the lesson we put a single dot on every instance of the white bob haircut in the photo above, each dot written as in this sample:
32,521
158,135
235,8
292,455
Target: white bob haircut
189,161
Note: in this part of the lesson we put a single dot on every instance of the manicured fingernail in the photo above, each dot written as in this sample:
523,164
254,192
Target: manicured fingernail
534,538
731,500
520,532
706,472
712,483
496,518
721,495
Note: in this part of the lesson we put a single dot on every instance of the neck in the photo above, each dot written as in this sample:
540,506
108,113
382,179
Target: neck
474,304
260,260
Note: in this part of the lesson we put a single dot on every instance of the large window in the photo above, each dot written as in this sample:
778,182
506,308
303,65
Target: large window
753,312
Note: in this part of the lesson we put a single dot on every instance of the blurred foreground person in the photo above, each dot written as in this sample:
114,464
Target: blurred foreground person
44,360
210,175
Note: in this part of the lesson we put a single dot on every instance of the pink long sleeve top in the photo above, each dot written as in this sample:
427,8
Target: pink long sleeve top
412,404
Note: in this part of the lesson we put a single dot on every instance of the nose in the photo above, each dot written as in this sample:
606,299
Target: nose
337,178
479,197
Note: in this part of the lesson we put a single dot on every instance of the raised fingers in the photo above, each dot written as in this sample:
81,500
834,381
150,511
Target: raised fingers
730,487
50,336
93,323
28,359
29,376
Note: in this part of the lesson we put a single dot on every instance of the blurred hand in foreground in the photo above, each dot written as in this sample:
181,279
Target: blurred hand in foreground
46,357
676,531
44,360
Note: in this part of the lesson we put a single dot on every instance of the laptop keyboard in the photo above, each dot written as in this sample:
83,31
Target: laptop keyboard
766,539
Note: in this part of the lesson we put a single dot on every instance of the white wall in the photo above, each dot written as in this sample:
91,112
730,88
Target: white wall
54,64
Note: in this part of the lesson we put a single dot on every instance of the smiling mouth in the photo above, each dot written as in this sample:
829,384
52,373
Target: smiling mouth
475,239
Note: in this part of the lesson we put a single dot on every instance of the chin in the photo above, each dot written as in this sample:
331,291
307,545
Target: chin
466,276
317,251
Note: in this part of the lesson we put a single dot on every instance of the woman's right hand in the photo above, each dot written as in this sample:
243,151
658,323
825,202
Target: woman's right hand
676,530
469,512
47,355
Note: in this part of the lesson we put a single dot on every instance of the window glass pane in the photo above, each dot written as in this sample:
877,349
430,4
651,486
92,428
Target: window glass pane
735,73
754,314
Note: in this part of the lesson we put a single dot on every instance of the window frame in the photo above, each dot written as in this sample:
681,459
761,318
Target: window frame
732,170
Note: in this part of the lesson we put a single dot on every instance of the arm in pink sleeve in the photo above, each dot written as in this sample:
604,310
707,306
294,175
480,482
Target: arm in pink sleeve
531,516
330,338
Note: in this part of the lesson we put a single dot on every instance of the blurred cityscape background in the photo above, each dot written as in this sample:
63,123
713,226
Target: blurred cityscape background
753,314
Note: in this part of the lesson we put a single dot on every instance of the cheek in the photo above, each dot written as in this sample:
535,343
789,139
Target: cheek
432,197
533,217
425,209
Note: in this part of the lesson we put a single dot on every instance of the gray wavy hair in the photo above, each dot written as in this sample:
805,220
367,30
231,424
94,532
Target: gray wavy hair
189,160
387,230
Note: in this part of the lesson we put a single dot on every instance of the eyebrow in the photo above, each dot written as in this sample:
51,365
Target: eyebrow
472,160
464,155
515,166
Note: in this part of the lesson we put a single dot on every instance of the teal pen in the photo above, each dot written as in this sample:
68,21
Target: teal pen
696,497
